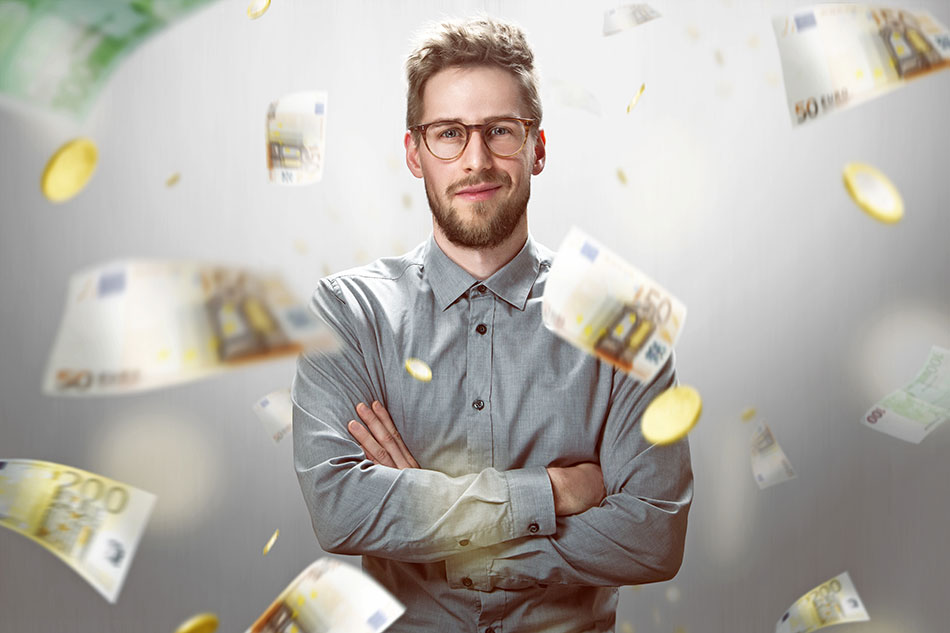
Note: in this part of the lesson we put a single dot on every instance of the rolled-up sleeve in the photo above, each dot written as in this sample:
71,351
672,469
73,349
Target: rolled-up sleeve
412,515
637,534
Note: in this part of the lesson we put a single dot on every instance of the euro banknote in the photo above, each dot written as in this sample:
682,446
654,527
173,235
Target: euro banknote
134,325
770,466
832,602
91,522
835,56
276,413
601,304
58,54
627,16
913,412
296,135
330,597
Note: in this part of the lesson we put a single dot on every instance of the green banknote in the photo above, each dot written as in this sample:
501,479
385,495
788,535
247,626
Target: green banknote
91,522
913,412
835,56
58,54
330,596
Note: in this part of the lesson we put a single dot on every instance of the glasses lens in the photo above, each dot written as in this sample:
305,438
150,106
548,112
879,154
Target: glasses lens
446,140
505,136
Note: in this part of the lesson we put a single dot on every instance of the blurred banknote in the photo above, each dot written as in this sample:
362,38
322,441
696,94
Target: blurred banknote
627,16
598,302
913,412
330,597
769,464
91,522
58,54
135,325
835,56
833,602
276,413
296,135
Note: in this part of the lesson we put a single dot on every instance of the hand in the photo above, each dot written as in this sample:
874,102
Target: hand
576,488
381,443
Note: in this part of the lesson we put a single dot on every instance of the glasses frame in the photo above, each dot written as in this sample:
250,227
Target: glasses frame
468,134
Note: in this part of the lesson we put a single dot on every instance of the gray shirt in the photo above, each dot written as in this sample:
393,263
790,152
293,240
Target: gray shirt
469,541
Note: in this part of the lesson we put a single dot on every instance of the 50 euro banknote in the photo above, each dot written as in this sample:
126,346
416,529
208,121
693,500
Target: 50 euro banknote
598,302
835,56
913,412
833,602
91,522
330,597
134,325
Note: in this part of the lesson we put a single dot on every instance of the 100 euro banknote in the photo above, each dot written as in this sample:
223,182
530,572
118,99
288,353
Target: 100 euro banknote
835,56
135,325
833,602
598,302
913,412
91,522
330,597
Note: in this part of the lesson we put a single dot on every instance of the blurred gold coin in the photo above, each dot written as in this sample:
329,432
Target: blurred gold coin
257,8
418,369
70,168
621,176
873,192
636,98
173,179
672,414
748,413
201,623
271,541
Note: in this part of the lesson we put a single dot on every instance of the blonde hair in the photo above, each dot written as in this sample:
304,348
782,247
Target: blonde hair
478,41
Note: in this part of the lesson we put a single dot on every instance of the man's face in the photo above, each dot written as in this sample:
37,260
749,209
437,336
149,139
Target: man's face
477,199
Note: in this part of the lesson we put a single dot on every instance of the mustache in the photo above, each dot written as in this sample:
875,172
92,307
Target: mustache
497,178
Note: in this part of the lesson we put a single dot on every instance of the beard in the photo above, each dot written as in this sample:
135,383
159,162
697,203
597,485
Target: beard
492,222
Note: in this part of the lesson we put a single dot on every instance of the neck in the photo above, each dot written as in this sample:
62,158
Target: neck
482,263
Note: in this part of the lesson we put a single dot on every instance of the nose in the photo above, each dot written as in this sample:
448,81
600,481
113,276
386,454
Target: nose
476,156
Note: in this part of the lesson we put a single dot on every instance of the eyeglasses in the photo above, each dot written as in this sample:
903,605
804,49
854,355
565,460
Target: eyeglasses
446,140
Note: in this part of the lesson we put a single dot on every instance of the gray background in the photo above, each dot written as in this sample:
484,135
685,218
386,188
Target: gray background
799,303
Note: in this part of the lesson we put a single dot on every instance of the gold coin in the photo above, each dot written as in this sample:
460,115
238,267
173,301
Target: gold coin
636,98
257,8
201,623
271,541
418,369
672,415
69,170
173,180
621,176
748,413
873,192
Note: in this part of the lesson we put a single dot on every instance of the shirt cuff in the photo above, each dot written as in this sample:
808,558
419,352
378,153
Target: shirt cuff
532,502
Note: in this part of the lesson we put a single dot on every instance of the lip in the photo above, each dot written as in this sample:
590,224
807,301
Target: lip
478,192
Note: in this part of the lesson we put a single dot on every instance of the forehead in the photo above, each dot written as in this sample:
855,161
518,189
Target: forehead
471,93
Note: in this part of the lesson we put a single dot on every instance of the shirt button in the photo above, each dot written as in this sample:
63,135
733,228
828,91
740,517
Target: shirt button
467,581
533,528
479,405
481,328
463,542
481,288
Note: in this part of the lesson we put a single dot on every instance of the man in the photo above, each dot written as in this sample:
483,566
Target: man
514,491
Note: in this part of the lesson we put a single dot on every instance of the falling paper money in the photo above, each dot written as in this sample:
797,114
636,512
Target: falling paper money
835,56
769,464
598,302
330,596
92,523
832,602
913,412
135,325
276,413
296,135
628,16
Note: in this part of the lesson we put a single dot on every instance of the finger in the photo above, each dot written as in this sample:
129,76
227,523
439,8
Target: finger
383,415
382,435
370,446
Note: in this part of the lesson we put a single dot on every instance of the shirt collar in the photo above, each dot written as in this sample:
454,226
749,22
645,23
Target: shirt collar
512,282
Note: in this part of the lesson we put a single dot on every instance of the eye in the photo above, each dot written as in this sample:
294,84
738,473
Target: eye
449,132
501,129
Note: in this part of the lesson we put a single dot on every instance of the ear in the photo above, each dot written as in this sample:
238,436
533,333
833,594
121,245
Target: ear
412,155
539,154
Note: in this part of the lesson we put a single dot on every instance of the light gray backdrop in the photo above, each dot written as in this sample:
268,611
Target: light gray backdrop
799,303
